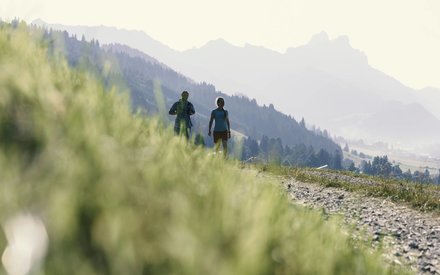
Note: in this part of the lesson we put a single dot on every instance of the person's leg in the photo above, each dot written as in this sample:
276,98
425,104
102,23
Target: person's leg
217,146
181,128
216,141
176,130
225,147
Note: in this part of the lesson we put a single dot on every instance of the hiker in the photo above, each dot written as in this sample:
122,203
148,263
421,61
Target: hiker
222,127
183,109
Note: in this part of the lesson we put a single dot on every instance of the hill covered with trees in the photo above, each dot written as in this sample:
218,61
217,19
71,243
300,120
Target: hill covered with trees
154,87
78,166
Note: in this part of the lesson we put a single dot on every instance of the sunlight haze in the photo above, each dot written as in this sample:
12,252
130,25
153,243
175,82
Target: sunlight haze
400,38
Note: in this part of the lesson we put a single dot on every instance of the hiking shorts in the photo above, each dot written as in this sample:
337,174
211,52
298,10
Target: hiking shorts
220,135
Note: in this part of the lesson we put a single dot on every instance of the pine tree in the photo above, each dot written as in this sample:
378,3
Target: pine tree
337,161
264,145
352,168
302,123
407,175
426,176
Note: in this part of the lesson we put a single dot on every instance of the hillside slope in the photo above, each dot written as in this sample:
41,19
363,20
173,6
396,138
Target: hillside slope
326,81
119,194
141,74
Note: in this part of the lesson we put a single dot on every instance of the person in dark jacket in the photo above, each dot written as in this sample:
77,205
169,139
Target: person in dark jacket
183,109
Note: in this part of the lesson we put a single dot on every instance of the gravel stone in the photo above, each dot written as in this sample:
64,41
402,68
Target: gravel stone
411,238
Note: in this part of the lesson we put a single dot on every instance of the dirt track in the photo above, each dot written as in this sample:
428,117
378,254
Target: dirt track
410,236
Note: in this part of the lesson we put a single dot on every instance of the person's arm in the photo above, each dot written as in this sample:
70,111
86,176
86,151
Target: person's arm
210,123
191,109
173,110
229,125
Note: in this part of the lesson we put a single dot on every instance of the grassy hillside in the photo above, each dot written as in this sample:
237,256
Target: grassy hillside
119,194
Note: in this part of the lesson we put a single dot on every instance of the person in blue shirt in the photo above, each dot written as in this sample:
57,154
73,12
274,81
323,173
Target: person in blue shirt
182,109
222,127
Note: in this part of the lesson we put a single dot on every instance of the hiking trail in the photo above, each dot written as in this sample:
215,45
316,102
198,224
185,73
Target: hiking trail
408,235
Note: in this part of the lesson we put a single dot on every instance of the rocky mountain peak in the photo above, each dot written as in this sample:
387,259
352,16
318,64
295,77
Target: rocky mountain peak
319,39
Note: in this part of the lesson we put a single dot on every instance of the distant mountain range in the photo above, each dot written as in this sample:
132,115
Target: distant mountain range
326,81
154,87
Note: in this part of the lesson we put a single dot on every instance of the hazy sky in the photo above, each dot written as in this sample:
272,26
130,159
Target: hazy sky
400,37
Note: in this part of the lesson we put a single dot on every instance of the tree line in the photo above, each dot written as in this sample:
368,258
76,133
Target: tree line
382,167
272,150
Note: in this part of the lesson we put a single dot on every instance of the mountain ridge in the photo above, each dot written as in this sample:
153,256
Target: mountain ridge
297,80
154,87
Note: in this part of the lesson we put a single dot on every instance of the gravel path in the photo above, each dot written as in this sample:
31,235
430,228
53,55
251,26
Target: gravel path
410,236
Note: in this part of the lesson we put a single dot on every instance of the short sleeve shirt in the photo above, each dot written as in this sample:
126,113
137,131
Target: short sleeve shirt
220,116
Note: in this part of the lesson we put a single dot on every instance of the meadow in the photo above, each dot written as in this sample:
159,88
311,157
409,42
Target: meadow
119,193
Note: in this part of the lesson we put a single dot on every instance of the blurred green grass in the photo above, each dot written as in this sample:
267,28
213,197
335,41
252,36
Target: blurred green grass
120,194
